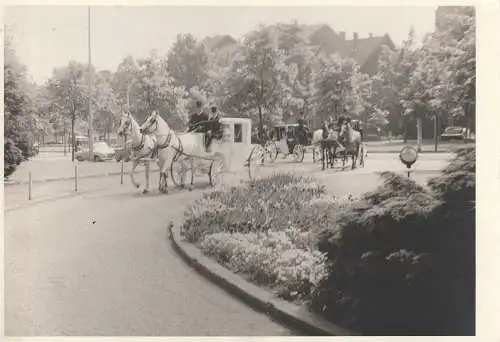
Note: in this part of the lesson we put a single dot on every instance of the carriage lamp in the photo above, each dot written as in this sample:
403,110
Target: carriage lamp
408,156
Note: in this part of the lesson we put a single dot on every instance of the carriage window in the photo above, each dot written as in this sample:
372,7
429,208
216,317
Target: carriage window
238,133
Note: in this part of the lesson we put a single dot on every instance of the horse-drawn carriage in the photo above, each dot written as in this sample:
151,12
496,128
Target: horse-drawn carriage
185,153
231,153
332,144
287,140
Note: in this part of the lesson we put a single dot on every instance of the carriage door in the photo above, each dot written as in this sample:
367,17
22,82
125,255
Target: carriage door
226,148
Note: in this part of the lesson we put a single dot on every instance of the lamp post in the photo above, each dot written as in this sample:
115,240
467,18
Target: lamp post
90,114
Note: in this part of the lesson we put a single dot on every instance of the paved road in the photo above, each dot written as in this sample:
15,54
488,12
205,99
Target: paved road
356,182
66,275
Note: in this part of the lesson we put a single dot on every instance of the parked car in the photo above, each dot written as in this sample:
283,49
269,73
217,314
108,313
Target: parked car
456,133
124,153
102,152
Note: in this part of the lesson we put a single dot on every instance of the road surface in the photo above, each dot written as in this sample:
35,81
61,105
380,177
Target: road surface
100,263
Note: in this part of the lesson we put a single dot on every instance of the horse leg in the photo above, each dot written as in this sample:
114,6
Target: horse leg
355,156
323,153
147,174
163,186
193,170
332,156
334,152
135,162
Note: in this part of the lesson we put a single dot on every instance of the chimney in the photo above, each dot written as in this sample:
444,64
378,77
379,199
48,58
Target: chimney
355,36
342,35
371,35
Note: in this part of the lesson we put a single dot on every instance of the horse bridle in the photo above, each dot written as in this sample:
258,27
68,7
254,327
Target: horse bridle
147,129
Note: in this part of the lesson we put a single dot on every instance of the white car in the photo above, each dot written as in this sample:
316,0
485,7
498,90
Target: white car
102,152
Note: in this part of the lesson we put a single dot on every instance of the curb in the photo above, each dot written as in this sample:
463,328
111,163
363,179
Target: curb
60,179
293,315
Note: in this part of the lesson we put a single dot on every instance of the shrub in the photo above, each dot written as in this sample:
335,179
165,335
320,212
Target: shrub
401,260
282,260
12,157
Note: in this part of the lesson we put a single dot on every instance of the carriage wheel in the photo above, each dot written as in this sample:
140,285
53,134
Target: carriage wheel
216,171
255,162
180,170
271,150
298,153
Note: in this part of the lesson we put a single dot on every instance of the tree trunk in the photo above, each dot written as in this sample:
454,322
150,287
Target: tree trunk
261,126
64,139
73,140
419,134
405,123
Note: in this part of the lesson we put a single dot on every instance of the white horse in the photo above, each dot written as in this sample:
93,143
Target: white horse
142,144
172,145
353,143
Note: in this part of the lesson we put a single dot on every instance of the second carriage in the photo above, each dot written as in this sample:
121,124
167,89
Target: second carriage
287,140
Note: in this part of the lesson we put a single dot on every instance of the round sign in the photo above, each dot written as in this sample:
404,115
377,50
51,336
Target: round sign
408,156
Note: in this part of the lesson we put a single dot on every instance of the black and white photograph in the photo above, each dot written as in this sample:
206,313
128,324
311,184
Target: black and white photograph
240,170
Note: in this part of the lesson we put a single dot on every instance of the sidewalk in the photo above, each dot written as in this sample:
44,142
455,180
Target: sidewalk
395,146
17,195
45,169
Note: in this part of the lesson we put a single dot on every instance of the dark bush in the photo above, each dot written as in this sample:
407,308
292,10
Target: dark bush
402,258
12,157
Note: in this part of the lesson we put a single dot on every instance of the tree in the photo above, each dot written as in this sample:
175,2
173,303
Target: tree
187,62
391,84
19,114
155,89
68,91
457,59
333,85
298,75
105,102
253,81
122,81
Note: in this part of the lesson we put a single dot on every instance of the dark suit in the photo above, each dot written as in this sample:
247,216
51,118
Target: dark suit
195,120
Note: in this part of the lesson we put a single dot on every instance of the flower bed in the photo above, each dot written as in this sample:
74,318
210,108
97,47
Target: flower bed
262,231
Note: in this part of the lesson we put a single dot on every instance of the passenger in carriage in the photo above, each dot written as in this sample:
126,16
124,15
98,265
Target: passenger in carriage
213,127
302,130
197,118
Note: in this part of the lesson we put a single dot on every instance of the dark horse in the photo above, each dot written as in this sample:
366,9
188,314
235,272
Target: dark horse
328,145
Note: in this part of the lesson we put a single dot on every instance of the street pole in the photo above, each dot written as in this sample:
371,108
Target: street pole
91,119
436,130
64,138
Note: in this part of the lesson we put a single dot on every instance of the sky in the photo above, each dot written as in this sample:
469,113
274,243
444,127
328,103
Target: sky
46,37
